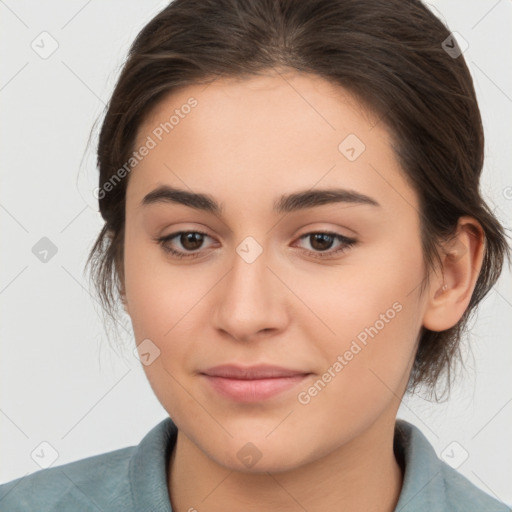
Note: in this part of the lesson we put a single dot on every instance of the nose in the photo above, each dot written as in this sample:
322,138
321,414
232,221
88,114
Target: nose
251,300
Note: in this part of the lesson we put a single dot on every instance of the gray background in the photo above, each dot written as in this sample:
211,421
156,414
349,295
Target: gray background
61,383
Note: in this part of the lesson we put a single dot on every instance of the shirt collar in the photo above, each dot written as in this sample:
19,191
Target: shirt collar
149,466
423,485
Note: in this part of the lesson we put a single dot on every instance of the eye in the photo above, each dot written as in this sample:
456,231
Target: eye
189,241
192,241
321,242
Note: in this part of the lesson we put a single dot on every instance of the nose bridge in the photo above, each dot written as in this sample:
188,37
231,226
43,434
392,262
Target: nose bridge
249,278
249,299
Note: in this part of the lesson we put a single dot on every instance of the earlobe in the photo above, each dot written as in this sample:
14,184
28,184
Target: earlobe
451,288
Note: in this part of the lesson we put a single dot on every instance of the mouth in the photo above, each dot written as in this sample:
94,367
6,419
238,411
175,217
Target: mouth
252,383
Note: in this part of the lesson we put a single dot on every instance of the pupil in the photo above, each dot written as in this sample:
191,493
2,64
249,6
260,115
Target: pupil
191,241
325,241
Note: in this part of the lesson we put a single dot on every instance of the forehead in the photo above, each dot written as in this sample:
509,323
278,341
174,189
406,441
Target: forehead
280,130
286,97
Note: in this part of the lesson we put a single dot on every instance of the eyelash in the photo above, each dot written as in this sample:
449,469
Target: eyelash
347,244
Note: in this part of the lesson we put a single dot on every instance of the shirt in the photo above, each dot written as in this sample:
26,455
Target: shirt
134,479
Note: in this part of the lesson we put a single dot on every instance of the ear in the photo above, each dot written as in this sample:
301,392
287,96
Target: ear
450,289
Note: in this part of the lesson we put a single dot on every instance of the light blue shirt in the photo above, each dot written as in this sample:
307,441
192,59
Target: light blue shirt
134,479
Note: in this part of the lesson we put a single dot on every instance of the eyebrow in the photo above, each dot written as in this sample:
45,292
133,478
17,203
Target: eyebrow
287,203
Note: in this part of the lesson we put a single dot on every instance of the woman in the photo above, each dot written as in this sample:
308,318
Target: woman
293,223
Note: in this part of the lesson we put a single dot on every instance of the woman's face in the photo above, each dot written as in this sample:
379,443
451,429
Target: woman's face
311,261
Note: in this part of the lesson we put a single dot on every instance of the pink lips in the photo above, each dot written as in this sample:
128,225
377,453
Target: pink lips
252,383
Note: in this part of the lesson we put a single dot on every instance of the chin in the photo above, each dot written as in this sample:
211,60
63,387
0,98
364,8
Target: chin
265,462
260,455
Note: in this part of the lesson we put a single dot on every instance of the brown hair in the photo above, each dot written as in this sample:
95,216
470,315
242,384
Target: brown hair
390,54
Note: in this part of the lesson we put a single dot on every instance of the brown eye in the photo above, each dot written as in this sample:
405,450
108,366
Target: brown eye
183,244
191,241
321,241
321,244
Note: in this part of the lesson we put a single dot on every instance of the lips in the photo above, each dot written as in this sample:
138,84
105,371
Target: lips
229,371
252,383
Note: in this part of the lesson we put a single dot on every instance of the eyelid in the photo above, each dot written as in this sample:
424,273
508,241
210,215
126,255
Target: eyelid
346,244
163,240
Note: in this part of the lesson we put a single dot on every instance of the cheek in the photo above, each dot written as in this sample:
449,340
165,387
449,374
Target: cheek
166,307
369,314
159,293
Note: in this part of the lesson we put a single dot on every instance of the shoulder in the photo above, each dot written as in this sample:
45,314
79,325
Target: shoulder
87,484
129,479
462,495
430,483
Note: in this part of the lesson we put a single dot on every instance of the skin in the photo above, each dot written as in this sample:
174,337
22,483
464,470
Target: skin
287,307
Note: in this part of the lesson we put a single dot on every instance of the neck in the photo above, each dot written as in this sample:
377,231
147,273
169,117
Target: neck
361,475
